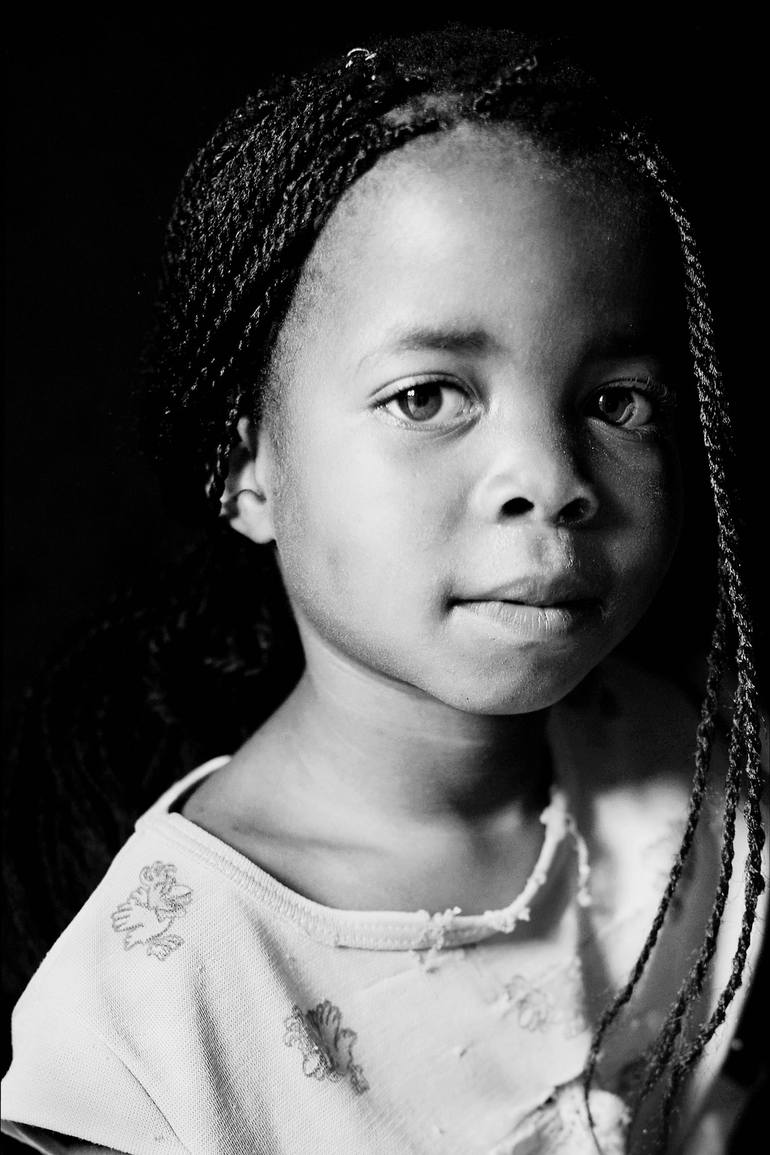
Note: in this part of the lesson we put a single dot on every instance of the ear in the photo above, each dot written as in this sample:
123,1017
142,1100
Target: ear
247,497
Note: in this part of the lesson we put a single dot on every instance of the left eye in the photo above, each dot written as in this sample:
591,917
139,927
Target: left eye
622,406
427,401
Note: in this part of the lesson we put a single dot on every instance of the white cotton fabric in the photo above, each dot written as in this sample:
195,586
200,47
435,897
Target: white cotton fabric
197,1005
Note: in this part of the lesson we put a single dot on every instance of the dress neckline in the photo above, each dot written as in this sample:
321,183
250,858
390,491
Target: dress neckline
418,930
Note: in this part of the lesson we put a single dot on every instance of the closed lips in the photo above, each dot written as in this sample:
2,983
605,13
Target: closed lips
532,619
555,594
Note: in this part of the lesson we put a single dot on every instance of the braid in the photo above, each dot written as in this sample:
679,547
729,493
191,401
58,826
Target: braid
248,213
744,742
258,256
744,746
255,199
704,743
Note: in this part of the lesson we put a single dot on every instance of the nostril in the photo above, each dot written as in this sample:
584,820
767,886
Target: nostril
574,511
517,506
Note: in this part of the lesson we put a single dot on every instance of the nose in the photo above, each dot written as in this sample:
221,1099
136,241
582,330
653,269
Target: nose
538,476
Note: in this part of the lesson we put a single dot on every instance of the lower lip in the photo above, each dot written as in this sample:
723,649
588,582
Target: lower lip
536,622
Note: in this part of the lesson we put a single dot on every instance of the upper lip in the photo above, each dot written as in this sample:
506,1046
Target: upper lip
544,590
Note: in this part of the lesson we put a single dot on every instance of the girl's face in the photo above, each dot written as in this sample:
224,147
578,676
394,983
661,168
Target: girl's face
471,476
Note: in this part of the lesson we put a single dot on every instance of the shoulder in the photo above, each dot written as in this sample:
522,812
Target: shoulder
629,740
74,1071
633,740
112,1029
160,910
67,1080
90,974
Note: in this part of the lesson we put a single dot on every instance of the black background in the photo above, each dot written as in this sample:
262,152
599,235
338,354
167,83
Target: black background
103,115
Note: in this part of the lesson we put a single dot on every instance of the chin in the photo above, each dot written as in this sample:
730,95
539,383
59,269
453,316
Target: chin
526,693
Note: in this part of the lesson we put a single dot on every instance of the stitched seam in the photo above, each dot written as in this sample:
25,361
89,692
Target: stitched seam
94,1032
316,926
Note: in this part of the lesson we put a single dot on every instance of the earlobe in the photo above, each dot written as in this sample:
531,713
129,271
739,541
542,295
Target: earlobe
246,501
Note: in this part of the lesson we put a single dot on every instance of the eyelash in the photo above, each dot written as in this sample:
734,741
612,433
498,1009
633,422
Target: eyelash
440,383
660,396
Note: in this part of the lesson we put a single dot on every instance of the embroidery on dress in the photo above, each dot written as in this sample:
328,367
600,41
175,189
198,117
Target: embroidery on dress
537,1010
326,1046
149,912
534,1008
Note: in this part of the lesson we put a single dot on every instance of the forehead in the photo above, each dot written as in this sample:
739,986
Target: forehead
477,219
474,164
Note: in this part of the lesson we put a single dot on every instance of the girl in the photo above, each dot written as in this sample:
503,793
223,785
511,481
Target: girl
432,344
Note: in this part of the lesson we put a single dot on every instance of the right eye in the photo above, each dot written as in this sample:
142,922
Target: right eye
430,403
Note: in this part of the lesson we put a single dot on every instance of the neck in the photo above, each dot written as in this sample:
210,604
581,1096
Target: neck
389,750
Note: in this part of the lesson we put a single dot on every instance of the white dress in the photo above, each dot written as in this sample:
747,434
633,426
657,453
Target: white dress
197,1005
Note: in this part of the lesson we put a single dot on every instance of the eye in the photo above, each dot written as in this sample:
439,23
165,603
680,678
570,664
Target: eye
627,407
429,403
630,404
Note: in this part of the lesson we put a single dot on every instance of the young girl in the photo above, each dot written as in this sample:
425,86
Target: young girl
432,341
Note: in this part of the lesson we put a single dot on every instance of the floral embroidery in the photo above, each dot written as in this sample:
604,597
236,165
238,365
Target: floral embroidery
147,915
326,1046
534,1008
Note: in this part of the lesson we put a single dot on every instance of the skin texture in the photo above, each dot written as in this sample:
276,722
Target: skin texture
453,577
381,525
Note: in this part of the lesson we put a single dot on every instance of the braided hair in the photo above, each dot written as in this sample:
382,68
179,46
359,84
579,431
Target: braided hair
199,674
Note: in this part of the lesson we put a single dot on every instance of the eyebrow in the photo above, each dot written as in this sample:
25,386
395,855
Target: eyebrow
628,344
456,339
419,338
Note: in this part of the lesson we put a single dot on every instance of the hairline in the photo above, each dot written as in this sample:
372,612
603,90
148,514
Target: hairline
584,174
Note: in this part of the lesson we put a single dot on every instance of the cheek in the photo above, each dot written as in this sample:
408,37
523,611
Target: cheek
643,499
345,521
